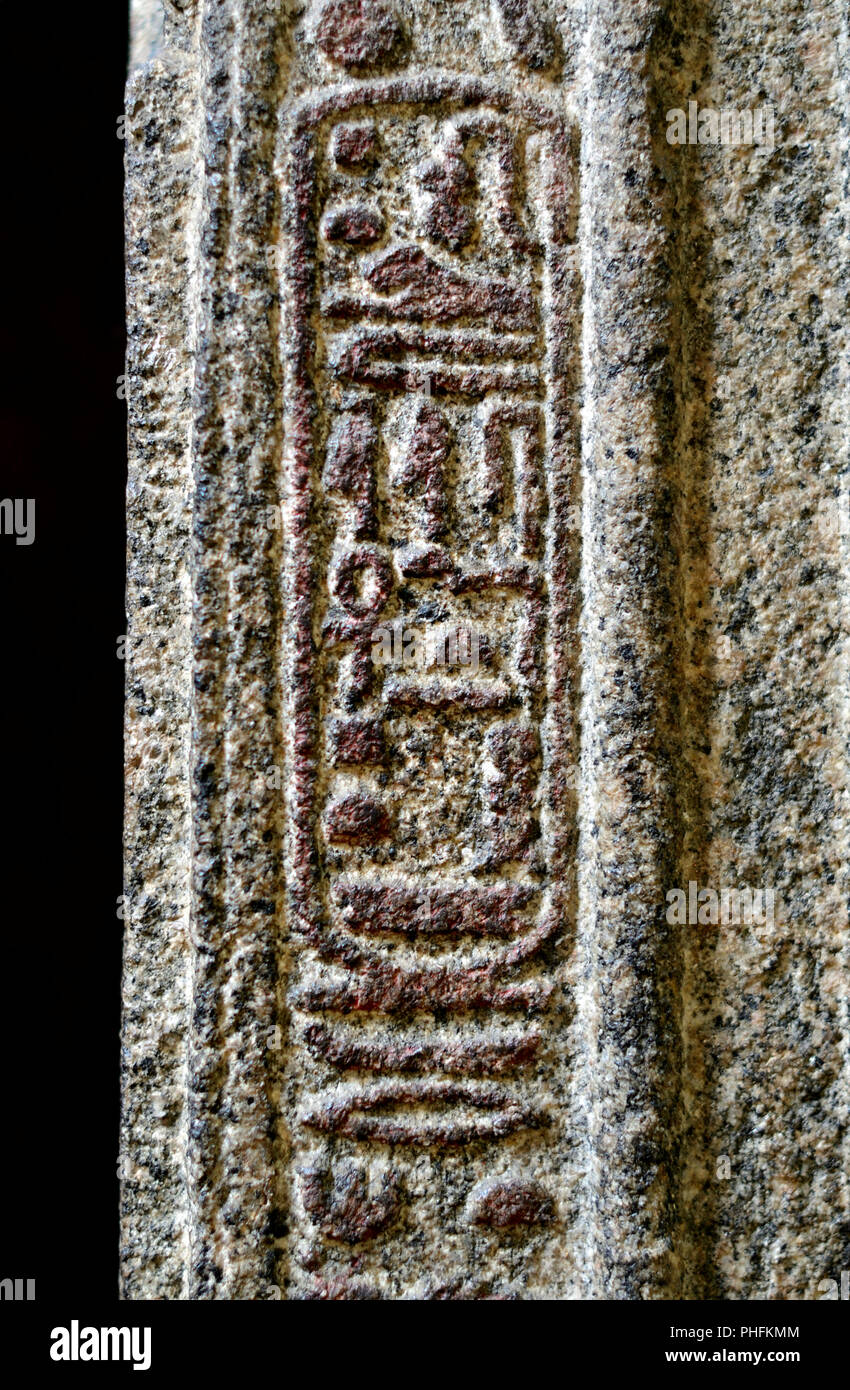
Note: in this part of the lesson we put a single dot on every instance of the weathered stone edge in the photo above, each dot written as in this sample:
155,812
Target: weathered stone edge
161,212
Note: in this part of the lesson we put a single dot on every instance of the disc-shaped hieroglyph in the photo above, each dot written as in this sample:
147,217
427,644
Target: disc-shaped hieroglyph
358,33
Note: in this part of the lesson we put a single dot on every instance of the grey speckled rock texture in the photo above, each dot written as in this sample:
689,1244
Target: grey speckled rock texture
489,585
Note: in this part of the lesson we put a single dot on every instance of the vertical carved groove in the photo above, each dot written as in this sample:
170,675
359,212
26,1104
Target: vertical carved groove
694,659
210,638
631,962
232,1170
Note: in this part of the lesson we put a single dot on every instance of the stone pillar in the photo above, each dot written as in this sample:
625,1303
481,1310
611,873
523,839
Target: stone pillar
488,601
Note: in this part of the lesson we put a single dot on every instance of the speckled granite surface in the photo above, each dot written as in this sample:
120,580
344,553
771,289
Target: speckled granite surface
431,987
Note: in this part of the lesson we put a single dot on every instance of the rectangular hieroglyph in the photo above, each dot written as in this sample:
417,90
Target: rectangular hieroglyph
431,580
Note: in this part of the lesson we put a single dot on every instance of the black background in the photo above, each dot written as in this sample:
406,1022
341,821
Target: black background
64,444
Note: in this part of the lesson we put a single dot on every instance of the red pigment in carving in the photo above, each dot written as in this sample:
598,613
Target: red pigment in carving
449,182
350,464
357,339
422,472
356,564
492,1055
505,1205
358,33
356,225
357,742
355,146
339,1202
423,290
433,910
352,1116
356,819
